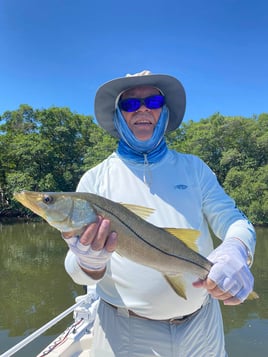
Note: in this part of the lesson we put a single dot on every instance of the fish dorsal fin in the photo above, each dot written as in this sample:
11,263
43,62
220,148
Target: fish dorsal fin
141,211
188,236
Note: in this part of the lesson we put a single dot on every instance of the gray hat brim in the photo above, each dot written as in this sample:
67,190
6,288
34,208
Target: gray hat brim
107,94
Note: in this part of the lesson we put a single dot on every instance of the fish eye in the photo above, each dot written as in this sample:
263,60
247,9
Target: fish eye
47,199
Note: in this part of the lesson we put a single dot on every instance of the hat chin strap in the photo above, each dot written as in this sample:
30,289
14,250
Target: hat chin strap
139,146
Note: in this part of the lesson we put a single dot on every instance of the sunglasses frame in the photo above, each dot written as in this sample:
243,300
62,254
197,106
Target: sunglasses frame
140,102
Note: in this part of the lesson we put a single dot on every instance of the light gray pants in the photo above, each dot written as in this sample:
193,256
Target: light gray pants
118,335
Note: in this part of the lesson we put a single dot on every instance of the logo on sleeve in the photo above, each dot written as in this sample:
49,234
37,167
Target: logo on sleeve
180,187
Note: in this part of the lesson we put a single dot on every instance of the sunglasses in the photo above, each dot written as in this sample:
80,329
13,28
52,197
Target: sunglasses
133,104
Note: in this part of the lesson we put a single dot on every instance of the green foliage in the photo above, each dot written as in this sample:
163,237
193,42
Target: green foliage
249,188
46,150
101,145
50,149
226,142
236,149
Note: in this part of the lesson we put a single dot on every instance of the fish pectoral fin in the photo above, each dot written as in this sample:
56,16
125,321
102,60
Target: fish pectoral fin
141,211
177,284
187,235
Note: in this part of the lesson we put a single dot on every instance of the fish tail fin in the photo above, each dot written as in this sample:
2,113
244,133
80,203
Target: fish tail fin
253,296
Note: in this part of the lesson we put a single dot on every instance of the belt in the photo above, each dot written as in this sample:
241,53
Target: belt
173,321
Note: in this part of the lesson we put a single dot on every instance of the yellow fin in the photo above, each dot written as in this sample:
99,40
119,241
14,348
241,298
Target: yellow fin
188,236
253,296
177,284
142,212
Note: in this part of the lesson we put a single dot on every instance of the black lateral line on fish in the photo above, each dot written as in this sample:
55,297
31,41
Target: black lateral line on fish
140,237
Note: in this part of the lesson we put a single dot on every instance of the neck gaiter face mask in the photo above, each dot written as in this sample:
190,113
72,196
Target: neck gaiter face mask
131,148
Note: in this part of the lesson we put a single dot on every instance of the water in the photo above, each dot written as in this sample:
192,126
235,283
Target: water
34,288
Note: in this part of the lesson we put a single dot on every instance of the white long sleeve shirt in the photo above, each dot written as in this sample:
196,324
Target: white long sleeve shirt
184,193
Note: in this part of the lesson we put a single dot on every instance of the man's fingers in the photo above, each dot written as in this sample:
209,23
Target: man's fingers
232,301
90,232
219,294
209,284
111,242
101,236
213,289
198,284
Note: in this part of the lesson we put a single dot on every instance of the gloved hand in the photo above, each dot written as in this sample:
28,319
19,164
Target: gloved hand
230,270
94,247
88,258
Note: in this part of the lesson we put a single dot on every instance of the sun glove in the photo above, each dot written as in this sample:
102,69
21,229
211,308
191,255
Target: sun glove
230,270
88,258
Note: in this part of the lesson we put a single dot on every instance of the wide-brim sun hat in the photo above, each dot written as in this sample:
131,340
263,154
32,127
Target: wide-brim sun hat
107,96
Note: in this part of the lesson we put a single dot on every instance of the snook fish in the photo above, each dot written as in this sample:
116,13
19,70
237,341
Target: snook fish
170,251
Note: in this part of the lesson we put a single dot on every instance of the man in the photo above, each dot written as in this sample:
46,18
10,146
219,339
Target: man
139,314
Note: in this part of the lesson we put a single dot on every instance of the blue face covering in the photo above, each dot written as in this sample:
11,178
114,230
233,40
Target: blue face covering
131,148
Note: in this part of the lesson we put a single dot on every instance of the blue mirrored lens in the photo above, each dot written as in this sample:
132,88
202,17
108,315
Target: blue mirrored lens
130,104
154,102
133,104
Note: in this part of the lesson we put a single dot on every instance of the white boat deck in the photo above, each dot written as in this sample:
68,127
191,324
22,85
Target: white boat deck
76,344
76,340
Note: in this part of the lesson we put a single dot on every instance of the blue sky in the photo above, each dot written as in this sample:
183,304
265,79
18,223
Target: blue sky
58,52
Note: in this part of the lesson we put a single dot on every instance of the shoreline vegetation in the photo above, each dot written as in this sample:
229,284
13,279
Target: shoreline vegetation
50,149
11,218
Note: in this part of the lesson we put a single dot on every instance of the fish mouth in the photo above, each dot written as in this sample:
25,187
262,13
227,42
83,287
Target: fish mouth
30,200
